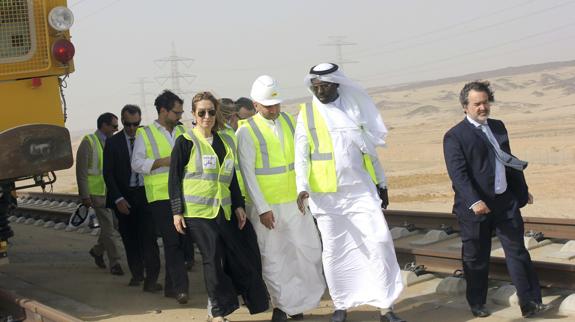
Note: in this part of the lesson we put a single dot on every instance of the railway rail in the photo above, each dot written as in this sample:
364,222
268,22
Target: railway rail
17,308
443,255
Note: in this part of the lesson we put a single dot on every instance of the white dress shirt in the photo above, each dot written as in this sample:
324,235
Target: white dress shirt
136,179
500,184
140,162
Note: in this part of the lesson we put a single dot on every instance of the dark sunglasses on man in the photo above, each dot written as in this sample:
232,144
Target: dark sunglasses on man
131,124
202,113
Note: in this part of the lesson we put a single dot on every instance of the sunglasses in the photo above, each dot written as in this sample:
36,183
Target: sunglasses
133,124
202,113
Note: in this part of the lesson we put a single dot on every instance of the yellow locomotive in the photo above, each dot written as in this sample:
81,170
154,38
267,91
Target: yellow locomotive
35,59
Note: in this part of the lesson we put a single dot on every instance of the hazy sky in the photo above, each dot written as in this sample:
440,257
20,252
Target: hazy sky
233,42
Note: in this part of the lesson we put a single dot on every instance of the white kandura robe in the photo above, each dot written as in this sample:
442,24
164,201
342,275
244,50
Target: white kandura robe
291,253
358,254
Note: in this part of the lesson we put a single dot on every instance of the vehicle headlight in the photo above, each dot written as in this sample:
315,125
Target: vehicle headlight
61,18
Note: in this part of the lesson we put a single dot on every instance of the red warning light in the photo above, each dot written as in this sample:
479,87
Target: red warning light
63,50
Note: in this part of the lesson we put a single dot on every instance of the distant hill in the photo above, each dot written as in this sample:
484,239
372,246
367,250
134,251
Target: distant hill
508,71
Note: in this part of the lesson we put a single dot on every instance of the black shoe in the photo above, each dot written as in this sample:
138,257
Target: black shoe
152,288
135,281
297,317
98,259
531,308
116,270
480,311
339,316
182,298
390,317
279,316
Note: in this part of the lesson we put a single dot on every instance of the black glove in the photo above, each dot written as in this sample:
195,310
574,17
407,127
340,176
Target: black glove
382,192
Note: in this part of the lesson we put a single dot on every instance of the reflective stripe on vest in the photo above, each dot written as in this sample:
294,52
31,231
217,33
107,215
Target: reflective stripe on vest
157,147
274,167
322,175
96,184
206,183
232,140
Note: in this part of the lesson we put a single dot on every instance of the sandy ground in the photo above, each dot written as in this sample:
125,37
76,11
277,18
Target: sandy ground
54,267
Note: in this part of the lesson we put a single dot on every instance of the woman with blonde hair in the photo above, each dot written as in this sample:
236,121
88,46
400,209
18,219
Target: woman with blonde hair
205,195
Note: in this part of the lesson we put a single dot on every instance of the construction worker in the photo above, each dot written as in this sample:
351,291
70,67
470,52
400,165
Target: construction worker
151,157
288,241
92,190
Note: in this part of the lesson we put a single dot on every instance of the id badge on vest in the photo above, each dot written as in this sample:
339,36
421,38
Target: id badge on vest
209,162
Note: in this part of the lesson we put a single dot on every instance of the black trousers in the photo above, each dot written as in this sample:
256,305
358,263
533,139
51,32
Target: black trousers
176,280
506,221
231,265
139,237
188,248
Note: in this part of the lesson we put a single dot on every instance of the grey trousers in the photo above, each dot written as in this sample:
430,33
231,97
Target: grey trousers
106,242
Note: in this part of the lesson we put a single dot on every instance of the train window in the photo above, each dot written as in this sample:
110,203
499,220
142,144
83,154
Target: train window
17,40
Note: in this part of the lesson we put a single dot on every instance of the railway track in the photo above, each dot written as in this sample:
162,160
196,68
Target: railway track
45,209
17,308
551,243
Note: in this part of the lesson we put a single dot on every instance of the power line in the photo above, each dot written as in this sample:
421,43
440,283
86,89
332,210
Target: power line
76,3
483,49
467,32
175,75
338,43
98,11
433,64
452,26
143,93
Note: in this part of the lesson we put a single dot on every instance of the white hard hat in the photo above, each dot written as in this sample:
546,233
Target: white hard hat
265,90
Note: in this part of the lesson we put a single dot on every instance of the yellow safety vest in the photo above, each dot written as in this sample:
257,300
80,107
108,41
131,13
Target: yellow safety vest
206,184
274,166
233,142
157,147
322,176
96,184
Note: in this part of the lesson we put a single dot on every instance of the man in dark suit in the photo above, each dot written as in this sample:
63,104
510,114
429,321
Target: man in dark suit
126,195
489,189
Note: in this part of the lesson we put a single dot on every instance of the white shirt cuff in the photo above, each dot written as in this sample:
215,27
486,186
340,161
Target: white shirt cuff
478,201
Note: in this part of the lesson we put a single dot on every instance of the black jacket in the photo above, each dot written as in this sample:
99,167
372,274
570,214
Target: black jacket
470,162
117,168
